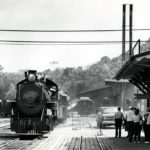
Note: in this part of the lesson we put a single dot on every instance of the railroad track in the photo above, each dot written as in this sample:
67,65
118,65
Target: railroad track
4,120
102,144
4,123
16,144
4,126
93,143
5,143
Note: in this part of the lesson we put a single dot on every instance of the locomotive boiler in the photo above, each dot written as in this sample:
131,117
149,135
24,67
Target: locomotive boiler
35,106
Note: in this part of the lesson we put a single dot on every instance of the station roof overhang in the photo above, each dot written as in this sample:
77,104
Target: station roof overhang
137,71
134,66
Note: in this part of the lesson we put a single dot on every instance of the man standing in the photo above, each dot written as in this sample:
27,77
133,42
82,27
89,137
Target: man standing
118,122
50,119
130,123
148,125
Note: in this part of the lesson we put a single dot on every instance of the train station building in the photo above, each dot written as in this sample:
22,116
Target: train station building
114,93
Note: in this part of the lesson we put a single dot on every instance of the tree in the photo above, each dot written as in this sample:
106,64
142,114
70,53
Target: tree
11,92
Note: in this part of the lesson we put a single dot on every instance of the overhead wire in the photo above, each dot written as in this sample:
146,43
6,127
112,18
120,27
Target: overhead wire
25,42
92,42
80,30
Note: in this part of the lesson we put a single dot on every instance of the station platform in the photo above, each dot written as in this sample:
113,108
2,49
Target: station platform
123,144
66,137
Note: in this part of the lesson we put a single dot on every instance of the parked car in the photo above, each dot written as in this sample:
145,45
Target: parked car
106,115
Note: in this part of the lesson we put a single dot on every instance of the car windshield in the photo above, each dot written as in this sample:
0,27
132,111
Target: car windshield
109,110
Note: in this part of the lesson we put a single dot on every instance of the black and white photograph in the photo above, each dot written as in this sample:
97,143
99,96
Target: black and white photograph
74,75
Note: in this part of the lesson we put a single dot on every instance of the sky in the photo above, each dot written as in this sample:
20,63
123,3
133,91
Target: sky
65,15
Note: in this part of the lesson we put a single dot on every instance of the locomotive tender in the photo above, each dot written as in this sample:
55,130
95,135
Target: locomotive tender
35,106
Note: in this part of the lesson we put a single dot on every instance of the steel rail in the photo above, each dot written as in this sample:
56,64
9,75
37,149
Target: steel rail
100,145
80,145
2,146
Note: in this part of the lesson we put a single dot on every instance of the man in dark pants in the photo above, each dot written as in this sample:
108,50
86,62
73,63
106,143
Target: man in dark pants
130,123
145,126
118,121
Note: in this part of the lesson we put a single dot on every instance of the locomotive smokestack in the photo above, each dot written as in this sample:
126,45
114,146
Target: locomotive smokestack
32,72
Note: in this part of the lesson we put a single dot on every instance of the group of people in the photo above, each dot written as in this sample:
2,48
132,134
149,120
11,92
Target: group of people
133,122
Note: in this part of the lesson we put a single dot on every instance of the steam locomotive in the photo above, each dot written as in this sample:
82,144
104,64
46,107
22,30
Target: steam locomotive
35,107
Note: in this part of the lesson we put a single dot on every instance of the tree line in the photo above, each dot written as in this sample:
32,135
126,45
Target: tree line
71,80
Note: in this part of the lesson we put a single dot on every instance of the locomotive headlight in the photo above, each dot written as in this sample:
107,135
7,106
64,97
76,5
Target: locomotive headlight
53,89
31,77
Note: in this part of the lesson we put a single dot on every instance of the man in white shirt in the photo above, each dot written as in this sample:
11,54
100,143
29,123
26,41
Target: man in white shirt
130,123
148,125
118,122
50,119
